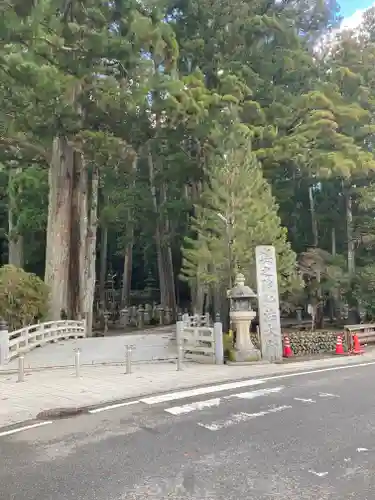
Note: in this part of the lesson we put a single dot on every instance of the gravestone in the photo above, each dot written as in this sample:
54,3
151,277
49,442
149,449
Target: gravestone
268,303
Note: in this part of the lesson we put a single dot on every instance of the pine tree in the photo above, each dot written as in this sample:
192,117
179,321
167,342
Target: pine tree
237,190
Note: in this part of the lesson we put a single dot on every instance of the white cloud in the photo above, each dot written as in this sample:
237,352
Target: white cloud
354,20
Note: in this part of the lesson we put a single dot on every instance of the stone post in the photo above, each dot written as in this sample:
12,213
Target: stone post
124,317
268,303
161,315
148,314
4,342
133,316
140,317
106,318
241,315
168,316
219,344
179,332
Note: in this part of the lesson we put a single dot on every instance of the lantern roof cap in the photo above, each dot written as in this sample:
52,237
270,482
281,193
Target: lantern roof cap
240,290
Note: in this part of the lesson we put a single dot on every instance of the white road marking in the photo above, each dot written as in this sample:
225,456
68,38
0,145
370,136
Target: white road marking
321,370
362,449
327,395
172,396
305,400
209,403
319,474
256,394
237,418
197,406
25,428
112,407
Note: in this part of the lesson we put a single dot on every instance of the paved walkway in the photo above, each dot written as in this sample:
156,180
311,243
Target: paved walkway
149,345
53,388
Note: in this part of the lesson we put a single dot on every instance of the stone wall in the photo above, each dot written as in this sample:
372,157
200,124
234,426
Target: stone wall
305,343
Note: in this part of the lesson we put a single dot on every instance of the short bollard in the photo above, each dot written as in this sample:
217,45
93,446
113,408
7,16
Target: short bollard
77,362
180,355
21,369
128,359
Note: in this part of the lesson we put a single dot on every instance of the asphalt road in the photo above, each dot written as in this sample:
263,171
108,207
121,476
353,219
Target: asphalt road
305,437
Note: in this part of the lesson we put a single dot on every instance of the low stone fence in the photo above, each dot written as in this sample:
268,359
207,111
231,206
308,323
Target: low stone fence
304,343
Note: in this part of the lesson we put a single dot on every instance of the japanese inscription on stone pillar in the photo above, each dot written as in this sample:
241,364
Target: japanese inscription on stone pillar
268,303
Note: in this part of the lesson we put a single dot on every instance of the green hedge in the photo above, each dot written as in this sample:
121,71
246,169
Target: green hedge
23,297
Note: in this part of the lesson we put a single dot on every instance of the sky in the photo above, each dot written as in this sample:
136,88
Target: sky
352,11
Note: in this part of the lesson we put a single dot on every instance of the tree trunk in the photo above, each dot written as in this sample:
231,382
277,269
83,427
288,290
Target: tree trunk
128,255
334,291
77,275
158,235
349,234
319,318
168,260
15,240
314,222
59,227
333,238
15,244
127,272
91,250
103,265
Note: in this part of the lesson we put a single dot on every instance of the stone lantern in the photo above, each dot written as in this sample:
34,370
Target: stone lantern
241,315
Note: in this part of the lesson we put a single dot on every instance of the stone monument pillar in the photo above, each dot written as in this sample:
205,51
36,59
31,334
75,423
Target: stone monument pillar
268,303
241,315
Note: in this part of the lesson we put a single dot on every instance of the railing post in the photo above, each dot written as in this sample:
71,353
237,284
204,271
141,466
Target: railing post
21,369
186,319
128,359
179,331
4,342
27,339
77,361
180,357
219,347
42,333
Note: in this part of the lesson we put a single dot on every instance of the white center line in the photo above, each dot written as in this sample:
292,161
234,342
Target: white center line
305,400
25,428
197,406
327,395
172,396
112,407
256,394
209,403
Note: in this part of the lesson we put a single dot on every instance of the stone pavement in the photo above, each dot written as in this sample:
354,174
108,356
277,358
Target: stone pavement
53,388
149,345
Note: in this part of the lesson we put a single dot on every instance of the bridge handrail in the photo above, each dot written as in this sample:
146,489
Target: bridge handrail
364,331
12,344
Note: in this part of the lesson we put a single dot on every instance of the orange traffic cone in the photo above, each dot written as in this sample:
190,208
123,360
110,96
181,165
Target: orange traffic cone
356,345
339,346
288,353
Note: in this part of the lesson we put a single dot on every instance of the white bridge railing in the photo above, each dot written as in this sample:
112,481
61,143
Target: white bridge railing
199,341
12,344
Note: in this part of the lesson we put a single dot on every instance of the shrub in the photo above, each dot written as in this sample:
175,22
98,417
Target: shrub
227,344
23,297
